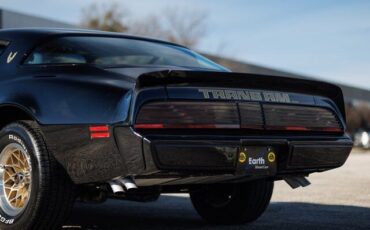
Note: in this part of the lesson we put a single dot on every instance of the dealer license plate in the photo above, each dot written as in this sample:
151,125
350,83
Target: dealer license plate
257,160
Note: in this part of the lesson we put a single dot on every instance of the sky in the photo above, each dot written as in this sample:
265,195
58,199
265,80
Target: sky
326,39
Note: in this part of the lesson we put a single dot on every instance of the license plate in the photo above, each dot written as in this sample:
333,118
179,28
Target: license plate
257,160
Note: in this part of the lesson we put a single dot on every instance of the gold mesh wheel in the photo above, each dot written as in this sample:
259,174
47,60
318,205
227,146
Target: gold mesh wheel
15,179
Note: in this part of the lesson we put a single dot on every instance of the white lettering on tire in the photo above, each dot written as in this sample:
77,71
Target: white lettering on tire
6,221
19,140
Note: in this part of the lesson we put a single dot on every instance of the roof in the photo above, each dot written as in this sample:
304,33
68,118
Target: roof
41,33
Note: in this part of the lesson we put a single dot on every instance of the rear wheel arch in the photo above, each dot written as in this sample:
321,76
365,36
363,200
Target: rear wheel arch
12,112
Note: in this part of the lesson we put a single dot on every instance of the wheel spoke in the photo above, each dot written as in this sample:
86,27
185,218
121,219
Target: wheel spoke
8,187
7,177
27,180
16,176
9,180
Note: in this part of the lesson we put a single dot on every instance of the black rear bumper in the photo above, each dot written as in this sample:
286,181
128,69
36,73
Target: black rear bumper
184,158
209,155
216,155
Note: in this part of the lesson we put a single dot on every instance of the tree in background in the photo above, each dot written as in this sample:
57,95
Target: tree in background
104,17
183,26
358,117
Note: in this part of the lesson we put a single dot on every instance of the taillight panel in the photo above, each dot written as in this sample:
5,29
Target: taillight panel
188,115
251,116
300,118
231,115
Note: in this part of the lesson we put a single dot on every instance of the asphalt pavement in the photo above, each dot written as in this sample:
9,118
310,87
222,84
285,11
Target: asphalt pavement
338,199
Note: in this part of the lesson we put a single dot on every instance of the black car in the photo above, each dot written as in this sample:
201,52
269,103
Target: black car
89,115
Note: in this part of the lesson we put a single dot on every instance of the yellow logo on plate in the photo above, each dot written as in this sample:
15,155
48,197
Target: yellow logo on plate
242,157
271,157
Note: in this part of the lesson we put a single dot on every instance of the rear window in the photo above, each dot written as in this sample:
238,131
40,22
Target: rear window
115,51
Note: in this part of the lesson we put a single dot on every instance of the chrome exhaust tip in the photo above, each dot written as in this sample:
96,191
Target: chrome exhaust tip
128,183
121,185
116,187
297,181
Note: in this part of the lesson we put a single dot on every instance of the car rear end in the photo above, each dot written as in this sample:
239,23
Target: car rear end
206,127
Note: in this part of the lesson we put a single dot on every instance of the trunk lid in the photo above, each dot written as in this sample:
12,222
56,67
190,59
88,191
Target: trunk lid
185,84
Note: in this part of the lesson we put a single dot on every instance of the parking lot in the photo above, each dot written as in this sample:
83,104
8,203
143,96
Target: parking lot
338,199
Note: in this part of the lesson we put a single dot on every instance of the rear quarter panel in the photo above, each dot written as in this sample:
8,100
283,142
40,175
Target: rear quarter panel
65,101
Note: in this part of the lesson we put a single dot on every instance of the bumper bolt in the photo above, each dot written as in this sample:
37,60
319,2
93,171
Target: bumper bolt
242,157
271,157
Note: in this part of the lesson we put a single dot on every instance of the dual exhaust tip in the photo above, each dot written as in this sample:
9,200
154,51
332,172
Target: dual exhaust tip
122,185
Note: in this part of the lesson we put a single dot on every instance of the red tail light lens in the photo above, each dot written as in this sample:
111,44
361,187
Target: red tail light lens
149,126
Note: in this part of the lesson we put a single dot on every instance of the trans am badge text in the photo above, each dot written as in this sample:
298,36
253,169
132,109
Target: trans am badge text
245,95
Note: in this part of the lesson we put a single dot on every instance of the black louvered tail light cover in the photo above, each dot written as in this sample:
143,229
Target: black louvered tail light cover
188,115
251,116
300,118
231,115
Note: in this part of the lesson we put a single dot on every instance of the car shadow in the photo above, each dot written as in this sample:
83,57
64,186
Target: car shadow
172,212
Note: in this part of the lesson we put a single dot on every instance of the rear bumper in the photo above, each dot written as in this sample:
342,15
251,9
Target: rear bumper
216,155
180,156
183,158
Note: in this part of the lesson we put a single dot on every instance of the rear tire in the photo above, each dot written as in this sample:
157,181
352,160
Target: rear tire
51,192
232,203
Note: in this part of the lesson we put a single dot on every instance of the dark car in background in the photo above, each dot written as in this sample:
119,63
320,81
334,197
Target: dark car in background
93,115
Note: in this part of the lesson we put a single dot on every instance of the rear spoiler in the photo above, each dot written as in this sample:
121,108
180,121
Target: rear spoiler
242,80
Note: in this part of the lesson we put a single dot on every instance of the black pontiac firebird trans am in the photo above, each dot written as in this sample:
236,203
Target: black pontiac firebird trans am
88,116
